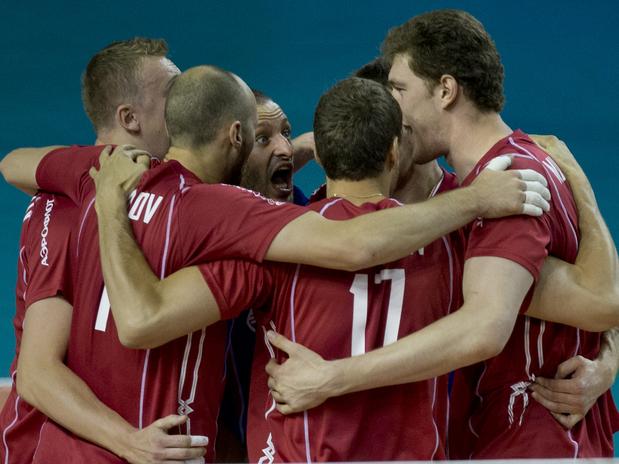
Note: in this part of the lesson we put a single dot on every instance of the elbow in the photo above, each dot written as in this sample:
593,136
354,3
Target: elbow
133,335
358,255
26,386
490,339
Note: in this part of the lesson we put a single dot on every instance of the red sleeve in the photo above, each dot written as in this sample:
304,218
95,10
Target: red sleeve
223,222
48,249
237,285
65,171
522,239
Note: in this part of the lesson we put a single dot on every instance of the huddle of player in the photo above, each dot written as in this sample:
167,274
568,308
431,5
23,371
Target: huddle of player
362,304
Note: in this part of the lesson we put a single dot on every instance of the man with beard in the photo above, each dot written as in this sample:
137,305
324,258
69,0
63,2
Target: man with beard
182,220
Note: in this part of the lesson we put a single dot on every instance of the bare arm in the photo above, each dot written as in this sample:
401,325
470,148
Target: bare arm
45,382
148,312
303,150
494,289
19,167
390,234
584,294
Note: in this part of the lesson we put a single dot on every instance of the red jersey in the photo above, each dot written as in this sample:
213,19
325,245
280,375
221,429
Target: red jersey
178,222
494,417
43,271
340,314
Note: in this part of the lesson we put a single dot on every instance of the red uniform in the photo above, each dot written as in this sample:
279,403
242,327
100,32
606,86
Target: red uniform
178,222
494,416
338,314
43,271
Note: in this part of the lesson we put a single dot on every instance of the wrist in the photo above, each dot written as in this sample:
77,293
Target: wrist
472,201
109,201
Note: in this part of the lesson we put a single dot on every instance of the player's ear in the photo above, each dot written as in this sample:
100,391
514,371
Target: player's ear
448,89
235,135
127,119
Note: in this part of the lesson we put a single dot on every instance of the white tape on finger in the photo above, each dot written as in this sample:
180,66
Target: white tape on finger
195,461
531,175
536,199
539,188
500,163
531,210
199,440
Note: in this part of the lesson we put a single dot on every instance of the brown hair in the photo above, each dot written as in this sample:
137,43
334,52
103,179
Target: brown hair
451,42
113,77
355,123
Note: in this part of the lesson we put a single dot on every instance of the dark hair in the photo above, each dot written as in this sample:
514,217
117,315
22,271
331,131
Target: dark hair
376,70
261,97
201,102
451,42
113,76
354,126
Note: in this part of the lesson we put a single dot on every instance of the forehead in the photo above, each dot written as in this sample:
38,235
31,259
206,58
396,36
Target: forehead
269,111
400,70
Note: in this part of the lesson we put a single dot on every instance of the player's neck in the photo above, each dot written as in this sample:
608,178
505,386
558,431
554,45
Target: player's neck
204,164
361,191
472,137
418,183
118,137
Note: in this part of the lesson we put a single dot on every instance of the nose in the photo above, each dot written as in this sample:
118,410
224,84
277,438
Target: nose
282,147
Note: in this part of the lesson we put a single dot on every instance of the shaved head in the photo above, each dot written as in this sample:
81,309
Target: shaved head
202,102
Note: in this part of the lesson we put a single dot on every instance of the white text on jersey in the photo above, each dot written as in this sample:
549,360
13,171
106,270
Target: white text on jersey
44,253
146,203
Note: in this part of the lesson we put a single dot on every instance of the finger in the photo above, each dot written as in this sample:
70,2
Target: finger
281,342
93,173
195,461
531,210
568,420
271,368
173,420
500,163
567,368
278,397
558,385
531,175
535,199
135,153
105,155
271,383
144,160
539,188
552,406
182,454
284,408
567,399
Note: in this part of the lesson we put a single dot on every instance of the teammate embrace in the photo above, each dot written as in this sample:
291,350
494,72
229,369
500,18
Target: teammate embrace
121,326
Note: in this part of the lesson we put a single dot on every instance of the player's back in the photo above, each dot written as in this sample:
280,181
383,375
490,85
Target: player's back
339,314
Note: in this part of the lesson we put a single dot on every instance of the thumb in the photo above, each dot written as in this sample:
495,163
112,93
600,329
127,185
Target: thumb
500,163
93,173
566,368
166,423
144,160
281,342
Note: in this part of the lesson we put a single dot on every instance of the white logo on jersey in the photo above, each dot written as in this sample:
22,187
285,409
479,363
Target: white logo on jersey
146,203
44,253
268,453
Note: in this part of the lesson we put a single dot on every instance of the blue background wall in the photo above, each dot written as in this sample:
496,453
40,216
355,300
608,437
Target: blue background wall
561,60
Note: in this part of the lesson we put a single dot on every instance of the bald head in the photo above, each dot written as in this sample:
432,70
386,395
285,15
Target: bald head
202,102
